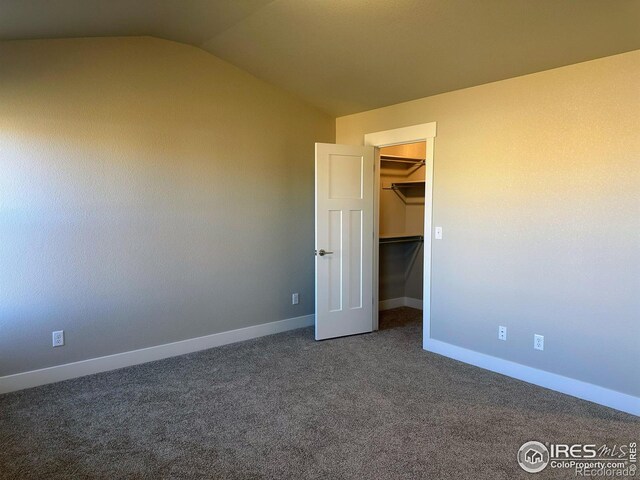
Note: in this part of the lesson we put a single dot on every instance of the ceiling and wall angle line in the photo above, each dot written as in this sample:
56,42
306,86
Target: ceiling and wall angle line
350,56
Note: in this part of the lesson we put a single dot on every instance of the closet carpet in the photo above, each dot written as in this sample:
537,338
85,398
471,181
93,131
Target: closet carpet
371,406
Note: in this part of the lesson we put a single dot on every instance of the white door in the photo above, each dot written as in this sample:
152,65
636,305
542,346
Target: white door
344,240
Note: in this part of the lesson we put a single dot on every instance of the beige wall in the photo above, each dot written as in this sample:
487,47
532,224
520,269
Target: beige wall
537,188
149,192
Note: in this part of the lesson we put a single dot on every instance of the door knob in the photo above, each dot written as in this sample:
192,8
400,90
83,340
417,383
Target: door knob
322,252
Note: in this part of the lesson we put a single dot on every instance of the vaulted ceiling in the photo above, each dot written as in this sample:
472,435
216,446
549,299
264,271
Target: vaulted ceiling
346,56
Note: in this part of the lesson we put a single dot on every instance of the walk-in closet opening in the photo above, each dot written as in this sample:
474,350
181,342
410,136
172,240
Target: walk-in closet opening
401,227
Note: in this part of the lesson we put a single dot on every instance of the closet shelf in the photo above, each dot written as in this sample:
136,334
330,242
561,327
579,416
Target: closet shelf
401,238
408,192
403,166
398,159
406,185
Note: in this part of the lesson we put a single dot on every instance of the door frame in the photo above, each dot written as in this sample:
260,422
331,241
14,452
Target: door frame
425,132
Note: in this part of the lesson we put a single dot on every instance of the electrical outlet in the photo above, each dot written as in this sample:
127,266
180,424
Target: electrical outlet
438,233
502,333
58,338
538,342
295,299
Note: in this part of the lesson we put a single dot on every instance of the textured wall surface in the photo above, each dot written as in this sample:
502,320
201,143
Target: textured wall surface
537,188
149,192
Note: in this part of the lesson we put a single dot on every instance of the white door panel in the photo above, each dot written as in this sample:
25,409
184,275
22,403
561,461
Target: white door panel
344,230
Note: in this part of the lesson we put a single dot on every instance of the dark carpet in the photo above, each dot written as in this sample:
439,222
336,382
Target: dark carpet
371,406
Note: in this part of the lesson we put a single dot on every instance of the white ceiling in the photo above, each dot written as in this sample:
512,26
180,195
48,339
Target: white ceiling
347,56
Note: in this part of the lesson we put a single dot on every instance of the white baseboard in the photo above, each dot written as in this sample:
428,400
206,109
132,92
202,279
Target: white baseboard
391,303
552,381
413,303
400,302
58,373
